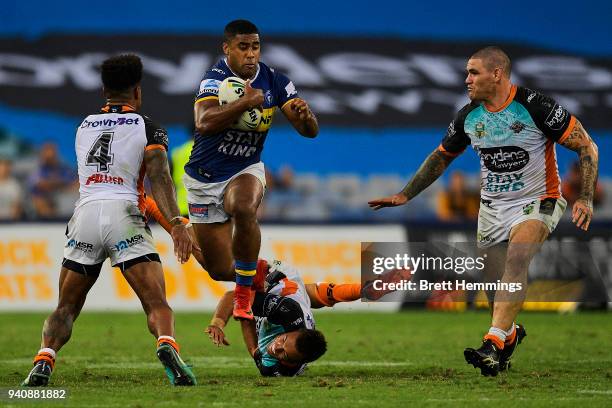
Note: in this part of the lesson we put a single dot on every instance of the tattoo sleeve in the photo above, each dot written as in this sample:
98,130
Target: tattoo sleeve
588,156
433,166
162,186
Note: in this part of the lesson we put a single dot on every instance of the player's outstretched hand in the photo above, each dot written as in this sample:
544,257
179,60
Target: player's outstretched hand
392,201
254,96
183,244
216,335
582,213
300,106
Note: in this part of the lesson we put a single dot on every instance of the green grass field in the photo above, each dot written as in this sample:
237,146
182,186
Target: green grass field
402,359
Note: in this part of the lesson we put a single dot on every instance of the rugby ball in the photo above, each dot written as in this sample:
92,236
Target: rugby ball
231,89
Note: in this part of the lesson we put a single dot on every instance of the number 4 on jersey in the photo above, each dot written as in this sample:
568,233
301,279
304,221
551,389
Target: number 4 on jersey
100,153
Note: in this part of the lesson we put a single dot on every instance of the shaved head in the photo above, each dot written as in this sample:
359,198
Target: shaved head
494,57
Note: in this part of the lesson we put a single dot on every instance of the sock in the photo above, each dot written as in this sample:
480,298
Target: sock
497,336
329,294
511,334
168,340
46,354
245,271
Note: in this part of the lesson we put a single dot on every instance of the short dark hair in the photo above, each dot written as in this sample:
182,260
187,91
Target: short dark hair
236,27
121,72
310,344
494,57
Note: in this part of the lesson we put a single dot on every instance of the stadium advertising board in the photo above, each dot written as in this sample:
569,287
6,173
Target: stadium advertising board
387,82
30,258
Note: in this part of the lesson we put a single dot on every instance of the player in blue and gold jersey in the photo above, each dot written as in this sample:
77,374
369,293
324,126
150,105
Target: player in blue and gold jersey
225,178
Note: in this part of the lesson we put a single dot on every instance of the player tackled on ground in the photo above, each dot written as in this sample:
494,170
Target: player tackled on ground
513,131
284,340
224,176
115,148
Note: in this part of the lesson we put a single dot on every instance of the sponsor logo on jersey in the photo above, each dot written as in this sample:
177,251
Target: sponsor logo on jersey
210,86
310,321
103,178
128,242
504,159
451,129
479,130
556,118
499,183
268,96
79,245
290,89
517,127
219,70
271,304
239,143
109,122
530,97
198,210
161,136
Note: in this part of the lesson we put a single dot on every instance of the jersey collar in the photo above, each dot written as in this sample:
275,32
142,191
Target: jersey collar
236,75
118,108
507,103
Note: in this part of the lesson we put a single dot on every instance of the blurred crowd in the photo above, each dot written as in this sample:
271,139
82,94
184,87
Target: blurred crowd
35,185
39,185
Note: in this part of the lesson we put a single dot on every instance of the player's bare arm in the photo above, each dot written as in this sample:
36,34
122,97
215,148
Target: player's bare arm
580,142
156,163
432,168
211,118
249,335
301,117
222,314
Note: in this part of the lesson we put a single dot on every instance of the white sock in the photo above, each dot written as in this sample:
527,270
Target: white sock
510,330
499,333
48,351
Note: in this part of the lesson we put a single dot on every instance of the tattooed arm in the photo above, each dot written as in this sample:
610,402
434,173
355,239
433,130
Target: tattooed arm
162,186
432,168
580,142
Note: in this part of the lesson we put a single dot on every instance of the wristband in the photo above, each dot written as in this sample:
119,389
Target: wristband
179,218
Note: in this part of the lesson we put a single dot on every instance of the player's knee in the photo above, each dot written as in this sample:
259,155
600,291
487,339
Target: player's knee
222,275
517,262
244,211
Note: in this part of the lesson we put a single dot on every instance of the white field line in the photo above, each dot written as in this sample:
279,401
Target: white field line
209,362
602,392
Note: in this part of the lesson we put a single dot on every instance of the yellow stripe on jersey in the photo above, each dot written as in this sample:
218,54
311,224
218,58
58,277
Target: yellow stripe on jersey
285,104
246,273
205,98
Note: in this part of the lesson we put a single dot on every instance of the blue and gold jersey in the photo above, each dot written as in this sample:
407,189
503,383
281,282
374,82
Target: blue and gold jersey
218,157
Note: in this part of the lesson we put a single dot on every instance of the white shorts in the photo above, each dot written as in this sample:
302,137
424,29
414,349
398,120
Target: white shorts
206,199
102,229
496,220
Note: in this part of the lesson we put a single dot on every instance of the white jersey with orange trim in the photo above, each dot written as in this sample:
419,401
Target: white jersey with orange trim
283,281
110,148
515,145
